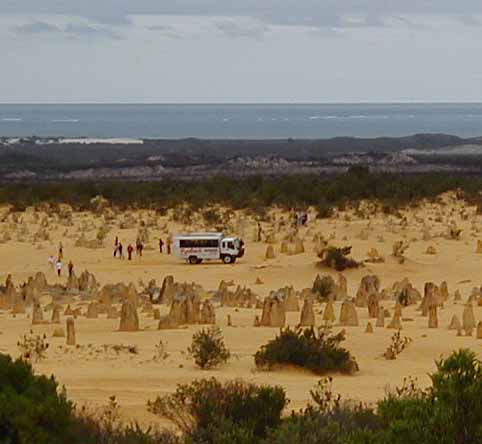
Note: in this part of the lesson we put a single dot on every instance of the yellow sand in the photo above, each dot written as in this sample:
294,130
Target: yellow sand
91,377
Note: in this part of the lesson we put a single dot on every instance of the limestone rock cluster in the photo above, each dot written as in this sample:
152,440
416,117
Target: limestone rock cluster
369,286
289,298
274,313
405,293
241,297
118,294
188,308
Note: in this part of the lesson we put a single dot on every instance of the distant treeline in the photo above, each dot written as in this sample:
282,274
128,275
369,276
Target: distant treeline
324,192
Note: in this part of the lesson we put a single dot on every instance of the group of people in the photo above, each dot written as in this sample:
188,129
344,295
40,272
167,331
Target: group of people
57,265
119,249
168,245
139,248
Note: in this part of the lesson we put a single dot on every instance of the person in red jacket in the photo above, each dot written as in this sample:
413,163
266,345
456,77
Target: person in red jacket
130,249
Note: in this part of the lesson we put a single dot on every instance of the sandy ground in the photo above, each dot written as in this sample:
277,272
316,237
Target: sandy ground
91,375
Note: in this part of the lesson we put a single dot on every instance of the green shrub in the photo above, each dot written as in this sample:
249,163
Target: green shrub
337,258
323,287
312,426
208,349
457,389
317,351
106,427
308,427
31,408
209,412
394,191
449,412
90,429
329,421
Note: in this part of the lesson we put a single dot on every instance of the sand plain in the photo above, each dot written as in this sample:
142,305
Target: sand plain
91,374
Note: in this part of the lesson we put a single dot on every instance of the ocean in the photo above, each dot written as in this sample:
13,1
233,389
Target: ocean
236,121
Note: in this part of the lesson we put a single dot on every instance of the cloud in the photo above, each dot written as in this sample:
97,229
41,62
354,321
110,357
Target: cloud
311,13
236,29
165,31
469,20
69,30
37,28
90,31
327,33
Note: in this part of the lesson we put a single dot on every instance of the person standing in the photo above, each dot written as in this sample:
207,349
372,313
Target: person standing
61,251
130,249
294,215
71,268
161,244
116,246
120,250
58,267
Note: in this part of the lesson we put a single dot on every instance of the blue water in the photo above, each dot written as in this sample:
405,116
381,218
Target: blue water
240,121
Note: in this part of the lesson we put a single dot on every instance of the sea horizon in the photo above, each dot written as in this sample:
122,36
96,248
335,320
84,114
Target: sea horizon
381,102
239,120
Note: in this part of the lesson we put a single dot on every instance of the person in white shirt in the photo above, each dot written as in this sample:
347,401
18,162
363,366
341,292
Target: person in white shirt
58,267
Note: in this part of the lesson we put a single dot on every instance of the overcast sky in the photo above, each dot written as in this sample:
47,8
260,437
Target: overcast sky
240,51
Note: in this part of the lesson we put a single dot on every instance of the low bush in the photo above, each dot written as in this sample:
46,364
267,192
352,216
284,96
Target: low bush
323,287
33,348
89,428
330,420
208,349
397,345
449,412
209,412
337,258
31,408
318,351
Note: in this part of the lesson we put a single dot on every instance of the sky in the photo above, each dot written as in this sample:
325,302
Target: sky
164,51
